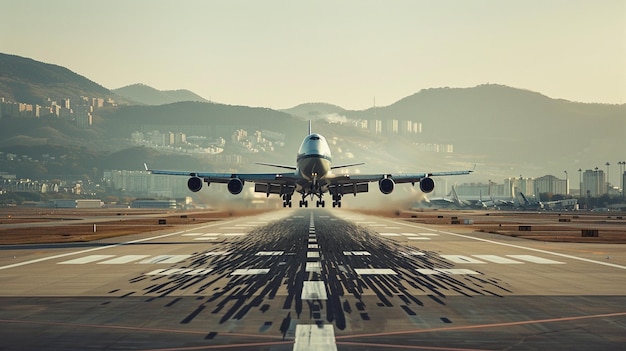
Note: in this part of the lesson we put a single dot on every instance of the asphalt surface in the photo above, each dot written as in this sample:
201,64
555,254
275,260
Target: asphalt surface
313,279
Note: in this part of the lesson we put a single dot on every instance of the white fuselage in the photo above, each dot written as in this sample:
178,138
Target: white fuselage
314,158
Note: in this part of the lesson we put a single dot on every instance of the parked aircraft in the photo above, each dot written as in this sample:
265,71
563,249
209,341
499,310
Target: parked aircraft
311,177
530,205
548,205
455,201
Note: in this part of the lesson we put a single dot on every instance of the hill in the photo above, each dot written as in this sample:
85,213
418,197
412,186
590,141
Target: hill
507,131
315,111
29,81
513,127
147,95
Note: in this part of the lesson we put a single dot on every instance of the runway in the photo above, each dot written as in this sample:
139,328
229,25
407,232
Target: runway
313,279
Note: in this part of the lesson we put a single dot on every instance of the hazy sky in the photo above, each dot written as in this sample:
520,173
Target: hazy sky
279,54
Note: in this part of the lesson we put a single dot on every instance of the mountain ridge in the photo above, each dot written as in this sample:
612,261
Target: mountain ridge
508,128
28,81
148,95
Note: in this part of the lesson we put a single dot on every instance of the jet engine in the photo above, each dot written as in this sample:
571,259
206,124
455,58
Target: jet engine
427,185
235,186
386,185
194,184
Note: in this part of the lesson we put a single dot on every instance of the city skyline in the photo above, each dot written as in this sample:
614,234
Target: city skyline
353,54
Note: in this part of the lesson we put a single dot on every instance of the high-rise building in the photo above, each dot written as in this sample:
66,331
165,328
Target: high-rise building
594,183
550,184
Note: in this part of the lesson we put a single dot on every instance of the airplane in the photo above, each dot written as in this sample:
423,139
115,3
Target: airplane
530,205
548,205
311,177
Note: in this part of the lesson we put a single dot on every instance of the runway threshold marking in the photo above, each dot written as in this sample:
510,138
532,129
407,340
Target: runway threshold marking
43,259
87,259
512,245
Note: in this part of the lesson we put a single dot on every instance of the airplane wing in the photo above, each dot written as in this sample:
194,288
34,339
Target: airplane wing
270,183
397,178
346,184
225,177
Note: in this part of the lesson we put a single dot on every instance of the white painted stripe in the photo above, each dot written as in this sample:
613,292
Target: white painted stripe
366,271
201,271
193,234
461,259
458,271
216,253
498,259
313,337
313,267
234,234
389,234
535,259
312,254
124,259
313,246
417,238
313,290
173,271
356,253
163,259
250,271
414,253
270,253
409,234
212,234
87,259
428,234
206,238
426,271
515,246
156,272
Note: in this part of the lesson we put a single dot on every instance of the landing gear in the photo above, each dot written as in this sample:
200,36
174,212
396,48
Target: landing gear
321,203
287,200
304,203
336,200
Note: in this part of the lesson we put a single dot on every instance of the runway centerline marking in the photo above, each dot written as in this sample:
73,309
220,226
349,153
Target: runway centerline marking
511,245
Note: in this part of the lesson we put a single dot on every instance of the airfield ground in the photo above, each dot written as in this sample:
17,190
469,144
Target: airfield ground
36,225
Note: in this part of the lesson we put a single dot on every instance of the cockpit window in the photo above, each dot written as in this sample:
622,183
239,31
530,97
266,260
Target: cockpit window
314,138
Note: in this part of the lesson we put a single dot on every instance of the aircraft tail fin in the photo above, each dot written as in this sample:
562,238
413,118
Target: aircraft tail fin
525,198
455,196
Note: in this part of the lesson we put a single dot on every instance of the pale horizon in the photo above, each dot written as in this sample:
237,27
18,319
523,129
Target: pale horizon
280,54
